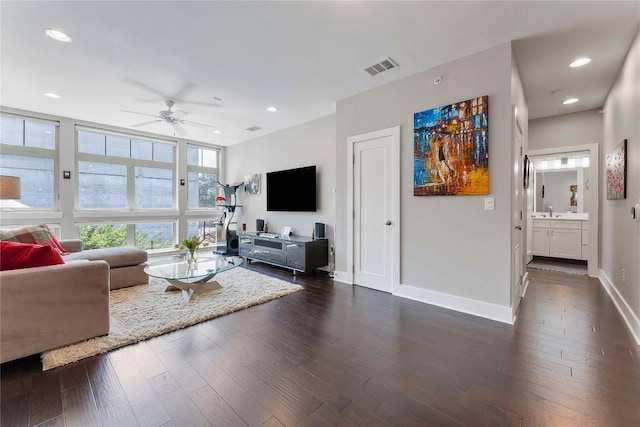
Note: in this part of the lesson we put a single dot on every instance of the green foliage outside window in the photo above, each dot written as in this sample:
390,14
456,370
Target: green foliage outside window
110,236
207,189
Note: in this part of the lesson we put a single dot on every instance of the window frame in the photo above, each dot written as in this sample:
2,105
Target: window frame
130,164
201,169
36,152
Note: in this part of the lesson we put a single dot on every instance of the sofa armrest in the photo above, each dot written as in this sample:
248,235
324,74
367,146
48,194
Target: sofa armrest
42,308
72,245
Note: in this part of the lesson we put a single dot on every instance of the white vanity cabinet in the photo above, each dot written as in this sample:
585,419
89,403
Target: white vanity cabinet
585,240
540,233
558,238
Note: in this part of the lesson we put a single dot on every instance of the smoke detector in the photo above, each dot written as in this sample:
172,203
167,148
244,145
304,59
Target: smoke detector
381,66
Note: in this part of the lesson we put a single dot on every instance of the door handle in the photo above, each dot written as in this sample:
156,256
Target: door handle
387,223
518,227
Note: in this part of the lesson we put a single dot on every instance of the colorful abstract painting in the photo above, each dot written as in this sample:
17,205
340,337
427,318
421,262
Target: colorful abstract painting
617,172
451,149
573,195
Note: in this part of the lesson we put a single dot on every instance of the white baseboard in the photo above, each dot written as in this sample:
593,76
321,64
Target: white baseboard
341,276
629,317
465,305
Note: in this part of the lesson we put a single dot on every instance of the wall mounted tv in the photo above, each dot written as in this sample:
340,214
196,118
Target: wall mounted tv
292,190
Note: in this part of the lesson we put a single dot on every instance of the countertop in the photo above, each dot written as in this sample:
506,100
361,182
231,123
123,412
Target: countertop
561,216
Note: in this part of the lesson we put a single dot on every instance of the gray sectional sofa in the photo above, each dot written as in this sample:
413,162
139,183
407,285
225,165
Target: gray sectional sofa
42,308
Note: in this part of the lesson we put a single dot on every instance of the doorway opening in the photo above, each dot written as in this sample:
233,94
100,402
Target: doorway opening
563,223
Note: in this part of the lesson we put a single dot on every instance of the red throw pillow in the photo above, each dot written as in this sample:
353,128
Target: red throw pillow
39,234
23,255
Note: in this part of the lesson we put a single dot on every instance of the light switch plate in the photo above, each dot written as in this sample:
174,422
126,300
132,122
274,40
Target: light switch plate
489,204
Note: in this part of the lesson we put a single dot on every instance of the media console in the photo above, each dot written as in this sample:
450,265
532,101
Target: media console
299,253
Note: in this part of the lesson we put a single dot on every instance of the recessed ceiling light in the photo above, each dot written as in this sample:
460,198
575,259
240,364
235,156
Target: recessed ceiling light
217,132
58,35
271,109
570,101
580,62
51,95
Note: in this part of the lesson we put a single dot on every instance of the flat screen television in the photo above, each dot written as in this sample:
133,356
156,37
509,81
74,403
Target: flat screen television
292,190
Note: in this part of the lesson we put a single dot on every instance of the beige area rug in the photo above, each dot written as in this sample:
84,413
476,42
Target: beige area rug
146,311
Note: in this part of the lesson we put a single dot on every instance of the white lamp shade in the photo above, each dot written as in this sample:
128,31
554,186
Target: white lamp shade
9,187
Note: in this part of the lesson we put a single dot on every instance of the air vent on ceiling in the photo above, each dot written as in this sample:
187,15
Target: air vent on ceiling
382,66
253,128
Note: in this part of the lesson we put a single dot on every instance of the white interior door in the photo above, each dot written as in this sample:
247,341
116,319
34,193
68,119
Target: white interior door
517,233
375,218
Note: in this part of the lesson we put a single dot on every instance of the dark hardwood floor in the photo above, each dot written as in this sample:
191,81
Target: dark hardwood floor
336,355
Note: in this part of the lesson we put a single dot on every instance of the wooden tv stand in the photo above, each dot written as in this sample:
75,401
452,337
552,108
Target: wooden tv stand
298,253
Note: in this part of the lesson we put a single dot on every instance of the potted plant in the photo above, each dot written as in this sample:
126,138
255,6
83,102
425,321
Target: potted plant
192,244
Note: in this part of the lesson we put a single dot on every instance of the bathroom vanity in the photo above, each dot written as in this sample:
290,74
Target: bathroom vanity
561,236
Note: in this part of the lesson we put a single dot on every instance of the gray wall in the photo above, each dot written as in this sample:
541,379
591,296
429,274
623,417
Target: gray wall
620,241
565,130
557,190
449,244
312,143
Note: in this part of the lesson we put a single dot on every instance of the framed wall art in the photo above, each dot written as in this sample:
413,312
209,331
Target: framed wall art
252,184
617,172
451,149
526,171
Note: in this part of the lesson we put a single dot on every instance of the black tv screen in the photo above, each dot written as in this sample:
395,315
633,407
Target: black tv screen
292,190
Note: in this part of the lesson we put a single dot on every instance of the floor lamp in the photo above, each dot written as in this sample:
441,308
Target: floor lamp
9,187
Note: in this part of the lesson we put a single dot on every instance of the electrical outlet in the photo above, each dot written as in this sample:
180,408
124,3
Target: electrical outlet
624,275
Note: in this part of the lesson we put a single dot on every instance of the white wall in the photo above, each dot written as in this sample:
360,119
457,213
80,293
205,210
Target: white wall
620,241
450,246
311,143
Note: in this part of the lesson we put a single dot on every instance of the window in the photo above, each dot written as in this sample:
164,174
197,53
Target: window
102,185
202,176
210,229
118,172
28,152
154,188
154,235
148,236
95,236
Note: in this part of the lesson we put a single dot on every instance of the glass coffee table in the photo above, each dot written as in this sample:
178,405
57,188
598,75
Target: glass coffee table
194,278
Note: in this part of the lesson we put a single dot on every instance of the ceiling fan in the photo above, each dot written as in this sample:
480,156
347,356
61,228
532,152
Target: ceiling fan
172,117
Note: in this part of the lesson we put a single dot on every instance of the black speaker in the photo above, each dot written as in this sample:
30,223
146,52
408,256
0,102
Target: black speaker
232,244
259,224
320,230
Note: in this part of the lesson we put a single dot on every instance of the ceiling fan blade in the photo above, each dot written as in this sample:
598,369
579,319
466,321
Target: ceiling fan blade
189,122
146,87
142,114
205,104
178,113
187,87
137,125
178,128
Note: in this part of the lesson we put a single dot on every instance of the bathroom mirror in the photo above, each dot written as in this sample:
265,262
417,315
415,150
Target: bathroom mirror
561,182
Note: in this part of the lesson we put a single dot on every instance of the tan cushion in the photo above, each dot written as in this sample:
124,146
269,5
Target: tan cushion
115,257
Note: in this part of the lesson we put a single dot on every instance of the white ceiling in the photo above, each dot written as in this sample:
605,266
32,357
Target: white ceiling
299,56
